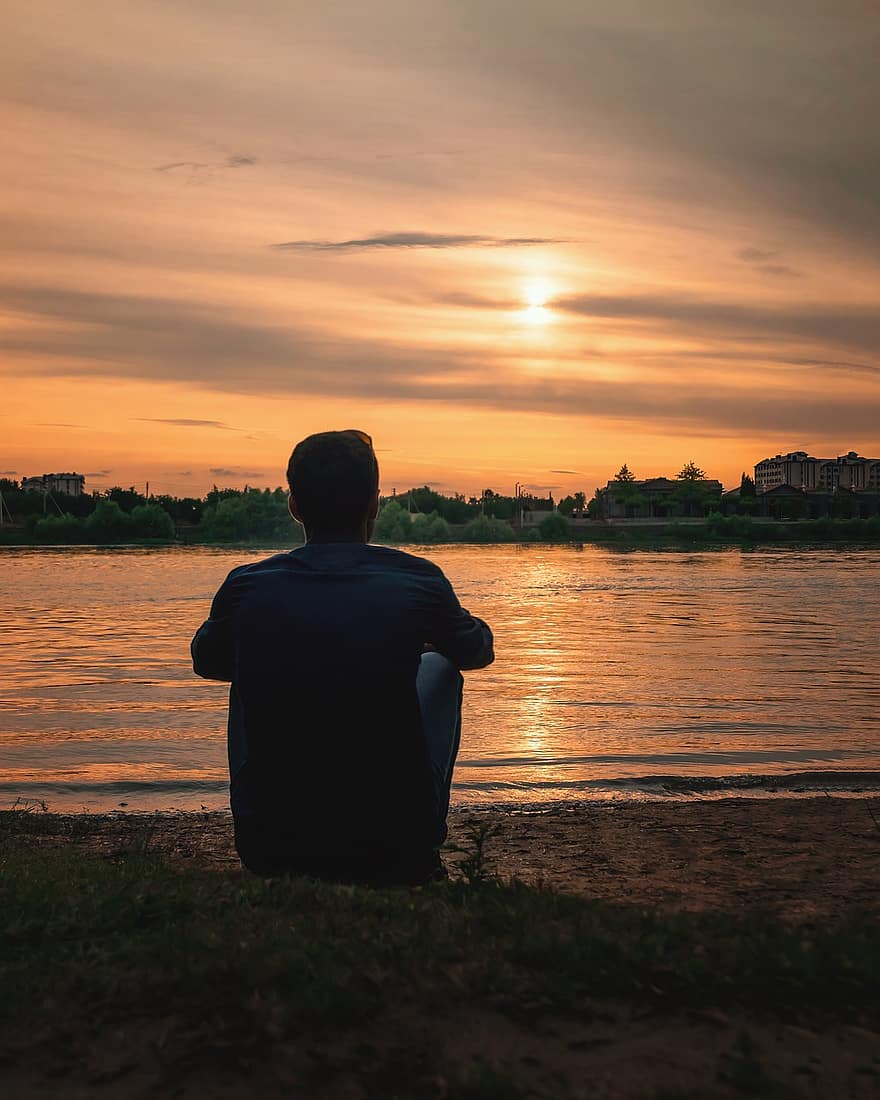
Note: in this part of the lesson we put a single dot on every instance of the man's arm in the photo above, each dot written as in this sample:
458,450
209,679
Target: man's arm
462,638
212,647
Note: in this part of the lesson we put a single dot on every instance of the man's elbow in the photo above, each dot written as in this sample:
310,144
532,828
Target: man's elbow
207,663
209,671
481,662
482,659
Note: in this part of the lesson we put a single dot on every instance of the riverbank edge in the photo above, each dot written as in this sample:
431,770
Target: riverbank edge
707,949
797,850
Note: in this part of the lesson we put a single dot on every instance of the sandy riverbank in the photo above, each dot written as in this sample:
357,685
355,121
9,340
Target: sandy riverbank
800,858
119,986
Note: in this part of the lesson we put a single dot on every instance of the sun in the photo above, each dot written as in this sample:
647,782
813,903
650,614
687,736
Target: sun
537,292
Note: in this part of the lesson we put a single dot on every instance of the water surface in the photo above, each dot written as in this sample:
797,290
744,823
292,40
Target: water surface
619,674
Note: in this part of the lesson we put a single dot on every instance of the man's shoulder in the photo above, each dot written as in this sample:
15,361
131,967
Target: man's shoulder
400,561
265,565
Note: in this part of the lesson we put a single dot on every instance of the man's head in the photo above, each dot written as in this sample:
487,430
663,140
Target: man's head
334,484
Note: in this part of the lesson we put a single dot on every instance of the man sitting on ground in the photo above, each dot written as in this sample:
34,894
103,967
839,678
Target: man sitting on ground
345,704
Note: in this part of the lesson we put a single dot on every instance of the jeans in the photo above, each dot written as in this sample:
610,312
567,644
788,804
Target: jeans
439,688
265,850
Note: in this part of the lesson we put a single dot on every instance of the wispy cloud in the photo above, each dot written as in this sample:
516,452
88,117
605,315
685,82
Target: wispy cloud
782,270
98,474
234,471
195,167
760,257
572,473
185,422
383,241
757,255
856,325
192,342
7,473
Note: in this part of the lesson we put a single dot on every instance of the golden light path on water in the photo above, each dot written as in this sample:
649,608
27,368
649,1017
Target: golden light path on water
619,675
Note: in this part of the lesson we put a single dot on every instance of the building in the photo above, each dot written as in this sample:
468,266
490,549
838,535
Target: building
802,471
658,498
72,485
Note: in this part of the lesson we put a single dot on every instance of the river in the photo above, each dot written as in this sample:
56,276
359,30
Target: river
619,675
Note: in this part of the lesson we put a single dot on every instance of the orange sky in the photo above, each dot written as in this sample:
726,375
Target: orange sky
513,241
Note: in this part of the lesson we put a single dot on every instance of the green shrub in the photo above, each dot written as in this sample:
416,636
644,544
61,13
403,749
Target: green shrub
432,528
555,528
151,521
486,529
393,524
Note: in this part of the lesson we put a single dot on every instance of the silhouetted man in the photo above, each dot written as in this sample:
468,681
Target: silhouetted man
345,705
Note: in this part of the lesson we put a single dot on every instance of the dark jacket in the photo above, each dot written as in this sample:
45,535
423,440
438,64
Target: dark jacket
328,766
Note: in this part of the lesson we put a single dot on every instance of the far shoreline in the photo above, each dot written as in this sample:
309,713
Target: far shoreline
622,539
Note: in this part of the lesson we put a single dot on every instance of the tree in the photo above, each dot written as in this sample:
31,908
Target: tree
432,528
393,523
127,499
54,529
554,529
627,492
486,529
108,522
151,521
574,503
693,493
747,486
251,514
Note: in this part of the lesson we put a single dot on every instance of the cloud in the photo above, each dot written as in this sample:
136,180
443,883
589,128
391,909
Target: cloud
191,164
756,255
159,339
57,424
237,160
572,473
183,473
99,474
780,269
234,471
385,241
181,422
7,473
760,257
856,325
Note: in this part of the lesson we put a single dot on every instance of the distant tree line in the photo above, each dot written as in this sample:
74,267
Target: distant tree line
419,516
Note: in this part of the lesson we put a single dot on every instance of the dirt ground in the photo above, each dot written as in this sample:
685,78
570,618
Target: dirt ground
811,858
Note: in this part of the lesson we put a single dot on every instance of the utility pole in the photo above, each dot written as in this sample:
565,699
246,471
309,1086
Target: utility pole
518,491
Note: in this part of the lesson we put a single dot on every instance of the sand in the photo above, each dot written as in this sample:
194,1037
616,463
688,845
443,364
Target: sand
805,859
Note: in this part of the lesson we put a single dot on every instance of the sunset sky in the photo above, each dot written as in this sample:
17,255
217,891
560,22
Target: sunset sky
514,241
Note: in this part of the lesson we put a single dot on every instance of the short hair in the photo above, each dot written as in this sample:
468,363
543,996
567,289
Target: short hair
334,478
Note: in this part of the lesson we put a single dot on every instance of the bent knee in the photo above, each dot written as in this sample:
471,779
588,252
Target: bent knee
436,665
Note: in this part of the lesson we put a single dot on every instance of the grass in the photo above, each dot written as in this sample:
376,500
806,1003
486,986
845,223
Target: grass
75,928
224,971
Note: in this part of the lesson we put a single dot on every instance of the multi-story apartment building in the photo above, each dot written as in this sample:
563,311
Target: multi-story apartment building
71,484
802,471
